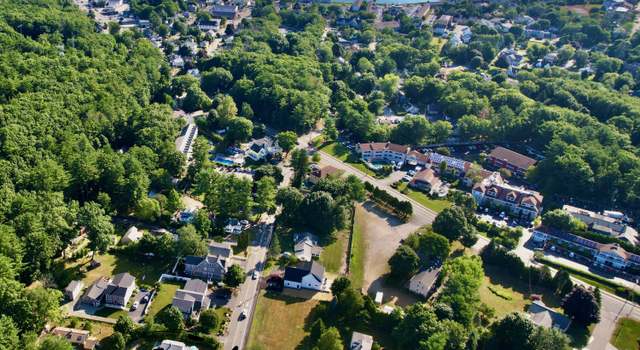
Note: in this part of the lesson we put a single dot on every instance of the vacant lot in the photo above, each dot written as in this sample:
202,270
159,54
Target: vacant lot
382,234
344,154
278,322
163,297
626,335
506,294
582,10
333,254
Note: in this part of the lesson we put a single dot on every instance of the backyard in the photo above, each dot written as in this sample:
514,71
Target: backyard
145,271
279,321
333,254
164,297
356,264
627,335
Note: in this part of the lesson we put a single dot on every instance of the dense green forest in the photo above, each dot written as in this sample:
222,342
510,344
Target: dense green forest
81,135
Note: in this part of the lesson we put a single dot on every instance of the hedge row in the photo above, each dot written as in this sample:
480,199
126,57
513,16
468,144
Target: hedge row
402,208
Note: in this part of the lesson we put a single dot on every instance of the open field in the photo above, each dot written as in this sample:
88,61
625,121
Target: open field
163,297
583,9
333,254
627,335
356,264
278,322
506,294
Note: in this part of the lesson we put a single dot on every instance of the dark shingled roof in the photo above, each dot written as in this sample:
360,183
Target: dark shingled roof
297,272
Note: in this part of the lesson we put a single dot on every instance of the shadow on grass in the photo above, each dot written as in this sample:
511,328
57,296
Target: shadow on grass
579,335
287,299
503,278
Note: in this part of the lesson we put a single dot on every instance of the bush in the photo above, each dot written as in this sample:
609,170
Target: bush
209,319
404,209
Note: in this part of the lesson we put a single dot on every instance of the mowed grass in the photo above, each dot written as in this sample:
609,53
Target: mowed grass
343,154
164,297
333,254
436,205
356,264
501,291
97,329
627,334
145,271
278,322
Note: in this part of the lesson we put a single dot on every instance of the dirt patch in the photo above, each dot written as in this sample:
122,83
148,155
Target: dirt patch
382,234
582,10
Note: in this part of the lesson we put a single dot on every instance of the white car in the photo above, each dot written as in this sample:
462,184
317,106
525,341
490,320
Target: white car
254,275
135,305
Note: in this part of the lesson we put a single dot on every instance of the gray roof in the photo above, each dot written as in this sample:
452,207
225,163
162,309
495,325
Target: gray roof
300,270
73,285
543,316
96,290
196,285
360,341
124,280
220,249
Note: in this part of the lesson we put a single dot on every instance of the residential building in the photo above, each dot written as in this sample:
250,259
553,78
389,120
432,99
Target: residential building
177,61
94,295
207,25
173,345
443,24
306,247
546,317
513,161
305,274
361,341
73,290
608,256
262,149
184,142
79,337
225,11
132,235
604,224
426,180
381,151
457,167
422,282
493,191
211,267
233,226
192,298
416,158
119,290
318,173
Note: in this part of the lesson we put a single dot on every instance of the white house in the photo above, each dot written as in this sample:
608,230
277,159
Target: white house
383,151
305,274
361,341
132,235
72,292
306,247
422,282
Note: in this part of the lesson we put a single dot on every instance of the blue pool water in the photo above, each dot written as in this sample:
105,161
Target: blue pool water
224,161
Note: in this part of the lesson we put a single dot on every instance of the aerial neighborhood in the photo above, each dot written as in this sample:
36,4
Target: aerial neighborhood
321,175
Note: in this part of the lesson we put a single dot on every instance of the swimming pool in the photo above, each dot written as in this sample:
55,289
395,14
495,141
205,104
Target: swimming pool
223,160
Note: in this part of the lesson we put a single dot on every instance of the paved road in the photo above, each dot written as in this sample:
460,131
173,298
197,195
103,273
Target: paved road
418,209
248,292
613,307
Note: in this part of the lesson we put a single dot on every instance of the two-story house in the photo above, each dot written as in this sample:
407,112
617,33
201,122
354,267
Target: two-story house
426,180
305,274
211,267
119,290
192,298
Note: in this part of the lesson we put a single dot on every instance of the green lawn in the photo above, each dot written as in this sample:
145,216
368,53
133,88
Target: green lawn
626,335
111,313
279,322
436,205
145,271
345,155
99,330
506,294
333,254
163,297
356,264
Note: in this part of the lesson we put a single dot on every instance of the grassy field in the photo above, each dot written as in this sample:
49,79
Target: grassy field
356,264
146,272
345,155
278,322
99,330
436,205
163,297
333,254
627,335
111,313
506,294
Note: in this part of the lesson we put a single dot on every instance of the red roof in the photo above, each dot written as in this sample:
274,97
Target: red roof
514,158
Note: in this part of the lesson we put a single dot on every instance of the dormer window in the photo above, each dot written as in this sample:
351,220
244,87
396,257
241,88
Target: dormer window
492,192
511,197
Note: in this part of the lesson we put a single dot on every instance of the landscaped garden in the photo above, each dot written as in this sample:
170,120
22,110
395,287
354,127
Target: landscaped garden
436,205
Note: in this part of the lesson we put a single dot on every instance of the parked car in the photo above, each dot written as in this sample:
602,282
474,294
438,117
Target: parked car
254,275
135,305
243,314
